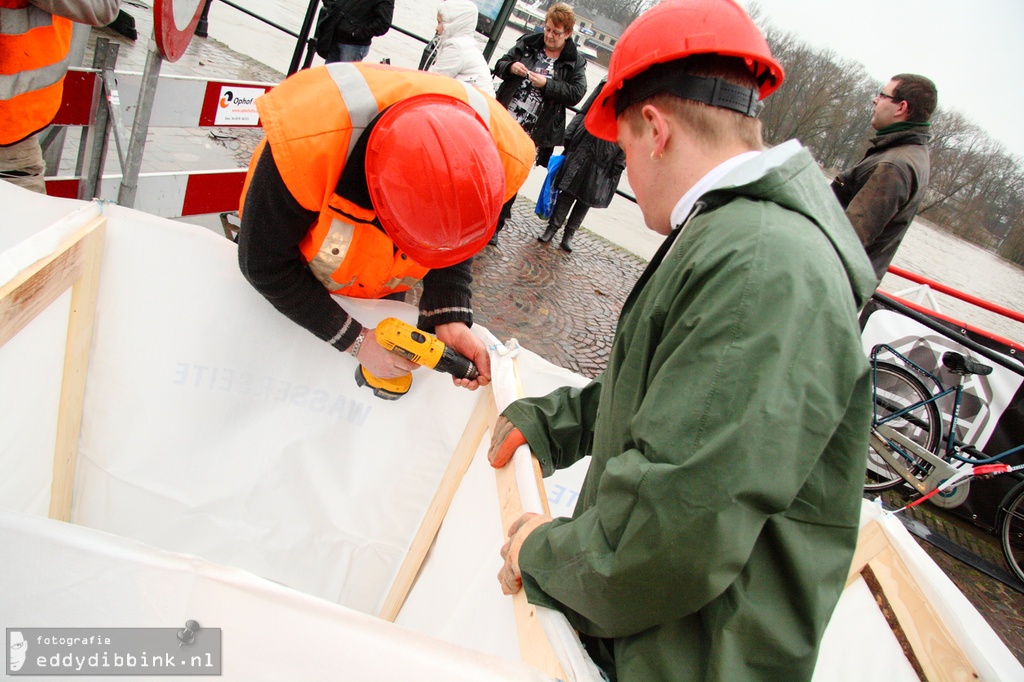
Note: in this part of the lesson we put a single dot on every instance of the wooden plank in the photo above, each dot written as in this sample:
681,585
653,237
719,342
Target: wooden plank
76,365
939,654
480,421
871,540
537,473
75,265
32,290
534,646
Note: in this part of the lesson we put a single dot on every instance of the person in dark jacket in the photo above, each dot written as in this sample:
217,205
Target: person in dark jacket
542,75
587,178
882,193
358,22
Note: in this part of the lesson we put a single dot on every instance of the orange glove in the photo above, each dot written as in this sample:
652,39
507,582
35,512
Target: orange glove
505,440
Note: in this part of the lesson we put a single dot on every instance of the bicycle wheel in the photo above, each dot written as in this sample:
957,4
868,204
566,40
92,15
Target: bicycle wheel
896,389
1012,533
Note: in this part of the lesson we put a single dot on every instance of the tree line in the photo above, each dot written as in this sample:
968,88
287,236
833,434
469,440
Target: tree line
976,189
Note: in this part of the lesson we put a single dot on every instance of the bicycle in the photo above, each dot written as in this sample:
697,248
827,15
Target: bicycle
908,445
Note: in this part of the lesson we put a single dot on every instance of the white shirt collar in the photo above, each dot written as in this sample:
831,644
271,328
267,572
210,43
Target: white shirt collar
739,170
686,202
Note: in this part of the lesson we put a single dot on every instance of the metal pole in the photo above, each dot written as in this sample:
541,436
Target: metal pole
302,43
92,151
498,28
140,127
202,28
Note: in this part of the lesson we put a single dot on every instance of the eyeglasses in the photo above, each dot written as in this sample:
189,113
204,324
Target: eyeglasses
553,32
888,96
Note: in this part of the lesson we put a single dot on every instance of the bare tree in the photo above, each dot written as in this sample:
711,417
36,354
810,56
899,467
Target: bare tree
622,11
824,101
976,190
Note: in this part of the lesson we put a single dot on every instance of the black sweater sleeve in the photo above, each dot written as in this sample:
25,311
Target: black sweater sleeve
447,296
273,225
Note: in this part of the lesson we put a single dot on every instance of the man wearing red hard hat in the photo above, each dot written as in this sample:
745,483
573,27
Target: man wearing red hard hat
714,530
370,179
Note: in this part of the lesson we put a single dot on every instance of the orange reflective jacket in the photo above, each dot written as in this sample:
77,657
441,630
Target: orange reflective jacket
34,49
312,121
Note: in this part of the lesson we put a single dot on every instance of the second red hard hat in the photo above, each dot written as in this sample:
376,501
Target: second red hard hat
435,179
674,29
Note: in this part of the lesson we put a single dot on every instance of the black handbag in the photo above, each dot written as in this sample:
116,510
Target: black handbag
326,24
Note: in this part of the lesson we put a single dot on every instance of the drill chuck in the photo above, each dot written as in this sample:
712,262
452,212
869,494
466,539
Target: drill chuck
456,364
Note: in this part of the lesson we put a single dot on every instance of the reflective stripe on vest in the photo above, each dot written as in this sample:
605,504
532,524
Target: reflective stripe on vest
362,105
373,269
332,253
34,55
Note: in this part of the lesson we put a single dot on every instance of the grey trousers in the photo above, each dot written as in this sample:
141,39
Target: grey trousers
22,164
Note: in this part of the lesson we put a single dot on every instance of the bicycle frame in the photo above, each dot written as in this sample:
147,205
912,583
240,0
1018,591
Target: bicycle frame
885,439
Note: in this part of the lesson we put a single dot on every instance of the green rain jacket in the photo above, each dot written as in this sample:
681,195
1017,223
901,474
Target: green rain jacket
728,436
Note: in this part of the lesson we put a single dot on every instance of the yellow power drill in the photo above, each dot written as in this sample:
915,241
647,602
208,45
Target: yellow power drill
418,346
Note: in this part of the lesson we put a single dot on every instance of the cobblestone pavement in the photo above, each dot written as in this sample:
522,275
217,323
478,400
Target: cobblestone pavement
562,306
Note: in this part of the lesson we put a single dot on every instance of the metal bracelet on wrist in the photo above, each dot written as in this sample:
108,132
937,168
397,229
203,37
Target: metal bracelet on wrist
358,343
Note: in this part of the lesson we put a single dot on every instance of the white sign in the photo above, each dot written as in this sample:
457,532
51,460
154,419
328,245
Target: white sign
237,106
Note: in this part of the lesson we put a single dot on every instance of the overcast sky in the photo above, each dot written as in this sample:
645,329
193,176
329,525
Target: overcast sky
973,50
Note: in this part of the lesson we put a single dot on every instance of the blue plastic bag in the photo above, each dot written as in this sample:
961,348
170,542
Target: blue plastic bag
548,191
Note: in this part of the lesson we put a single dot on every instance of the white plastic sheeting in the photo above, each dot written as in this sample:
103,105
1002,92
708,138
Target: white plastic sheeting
63,575
224,450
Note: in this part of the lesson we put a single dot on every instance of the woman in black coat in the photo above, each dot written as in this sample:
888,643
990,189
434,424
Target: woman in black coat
587,178
541,75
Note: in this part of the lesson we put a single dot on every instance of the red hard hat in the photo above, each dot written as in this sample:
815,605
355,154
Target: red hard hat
674,29
435,179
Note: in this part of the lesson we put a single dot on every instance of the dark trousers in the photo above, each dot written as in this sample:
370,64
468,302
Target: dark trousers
506,213
542,158
565,202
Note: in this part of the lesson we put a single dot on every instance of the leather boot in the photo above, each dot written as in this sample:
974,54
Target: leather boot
567,238
579,212
548,235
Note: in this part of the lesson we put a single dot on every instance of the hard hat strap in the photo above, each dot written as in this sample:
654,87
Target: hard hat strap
667,78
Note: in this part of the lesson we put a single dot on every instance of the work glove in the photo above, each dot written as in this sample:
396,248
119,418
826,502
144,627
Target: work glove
505,440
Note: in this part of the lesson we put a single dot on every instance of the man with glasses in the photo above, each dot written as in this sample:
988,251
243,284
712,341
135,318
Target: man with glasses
882,193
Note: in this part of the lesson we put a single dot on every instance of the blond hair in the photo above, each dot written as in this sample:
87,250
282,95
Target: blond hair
713,125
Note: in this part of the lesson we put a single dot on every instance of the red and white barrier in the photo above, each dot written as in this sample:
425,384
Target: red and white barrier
179,102
169,195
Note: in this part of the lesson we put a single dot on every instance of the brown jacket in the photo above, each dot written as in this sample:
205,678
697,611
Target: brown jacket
882,193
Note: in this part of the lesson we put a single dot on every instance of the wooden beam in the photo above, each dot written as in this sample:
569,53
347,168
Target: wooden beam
936,650
480,421
75,265
534,646
871,540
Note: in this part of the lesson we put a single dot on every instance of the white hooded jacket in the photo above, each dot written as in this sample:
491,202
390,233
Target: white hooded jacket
458,55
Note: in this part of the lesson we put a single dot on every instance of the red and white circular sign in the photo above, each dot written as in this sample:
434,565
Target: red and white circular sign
174,24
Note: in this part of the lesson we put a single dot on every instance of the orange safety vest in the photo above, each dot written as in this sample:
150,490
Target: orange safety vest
34,50
312,121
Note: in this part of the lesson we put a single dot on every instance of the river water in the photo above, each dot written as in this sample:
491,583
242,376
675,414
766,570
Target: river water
925,250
